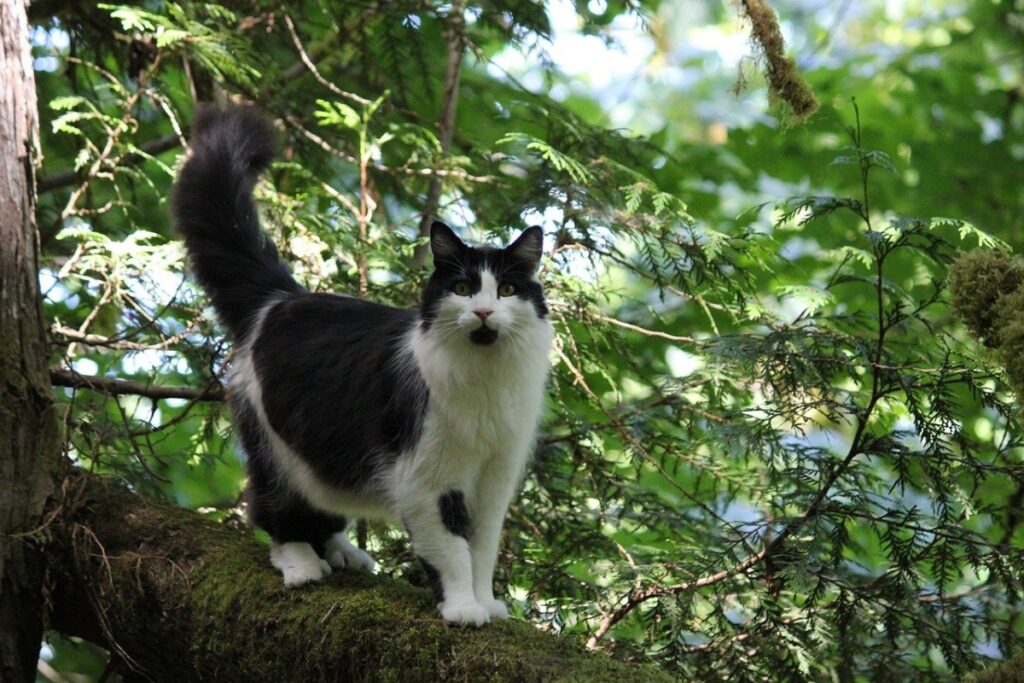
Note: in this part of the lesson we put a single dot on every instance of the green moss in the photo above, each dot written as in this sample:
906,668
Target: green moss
188,594
1009,312
977,281
1010,671
987,291
784,80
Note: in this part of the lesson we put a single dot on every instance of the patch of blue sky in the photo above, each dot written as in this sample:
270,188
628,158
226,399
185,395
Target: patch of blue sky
85,366
54,40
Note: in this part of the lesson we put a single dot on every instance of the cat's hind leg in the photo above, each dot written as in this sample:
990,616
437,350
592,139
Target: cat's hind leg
299,532
341,553
299,535
298,563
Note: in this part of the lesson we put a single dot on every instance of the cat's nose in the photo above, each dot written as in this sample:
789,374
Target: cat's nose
482,313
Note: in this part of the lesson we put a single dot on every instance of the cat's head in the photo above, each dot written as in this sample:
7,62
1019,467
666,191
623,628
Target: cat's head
484,295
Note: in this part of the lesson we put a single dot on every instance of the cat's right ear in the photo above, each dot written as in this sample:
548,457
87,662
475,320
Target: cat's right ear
445,245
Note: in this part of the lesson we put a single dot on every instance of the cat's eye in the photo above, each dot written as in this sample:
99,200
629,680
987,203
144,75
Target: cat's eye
506,289
461,288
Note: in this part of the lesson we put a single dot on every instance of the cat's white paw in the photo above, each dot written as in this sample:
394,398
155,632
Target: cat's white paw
341,553
496,608
298,563
464,613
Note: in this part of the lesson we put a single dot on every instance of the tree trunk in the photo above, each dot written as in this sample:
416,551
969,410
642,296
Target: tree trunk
28,425
179,598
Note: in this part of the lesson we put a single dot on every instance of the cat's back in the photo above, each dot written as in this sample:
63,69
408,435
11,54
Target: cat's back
315,318
328,343
334,378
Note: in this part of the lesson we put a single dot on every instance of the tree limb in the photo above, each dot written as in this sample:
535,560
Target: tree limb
56,181
225,615
783,77
117,387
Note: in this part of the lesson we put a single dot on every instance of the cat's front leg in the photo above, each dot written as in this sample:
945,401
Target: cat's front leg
438,531
483,546
496,485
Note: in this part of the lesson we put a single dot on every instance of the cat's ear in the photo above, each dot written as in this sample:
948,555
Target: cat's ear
445,245
528,247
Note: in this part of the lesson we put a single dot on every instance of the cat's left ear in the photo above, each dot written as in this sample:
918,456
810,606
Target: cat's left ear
528,247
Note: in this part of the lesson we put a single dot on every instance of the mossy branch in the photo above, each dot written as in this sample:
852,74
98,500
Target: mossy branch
784,80
179,597
987,289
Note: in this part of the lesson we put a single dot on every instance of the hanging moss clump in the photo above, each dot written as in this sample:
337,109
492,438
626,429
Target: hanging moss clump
987,291
784,81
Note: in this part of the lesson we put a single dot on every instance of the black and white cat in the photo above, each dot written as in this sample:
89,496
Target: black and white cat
347,408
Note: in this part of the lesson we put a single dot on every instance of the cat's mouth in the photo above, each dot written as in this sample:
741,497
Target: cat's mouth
483,335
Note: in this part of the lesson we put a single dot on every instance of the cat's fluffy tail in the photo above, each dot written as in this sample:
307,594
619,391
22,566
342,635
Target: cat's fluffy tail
213,207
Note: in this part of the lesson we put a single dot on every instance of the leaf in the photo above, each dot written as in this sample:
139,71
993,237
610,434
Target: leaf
166,37
812,298
856,254
132,18
337,114
966,230
66,102
559,161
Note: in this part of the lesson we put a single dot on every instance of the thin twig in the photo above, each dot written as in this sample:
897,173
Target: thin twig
454,173
119,344
61,179
636,597
316,73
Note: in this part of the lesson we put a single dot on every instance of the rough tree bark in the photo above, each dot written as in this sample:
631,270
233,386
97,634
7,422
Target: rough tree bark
29,430
180,598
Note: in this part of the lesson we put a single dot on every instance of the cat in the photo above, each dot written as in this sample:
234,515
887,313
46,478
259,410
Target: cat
346,408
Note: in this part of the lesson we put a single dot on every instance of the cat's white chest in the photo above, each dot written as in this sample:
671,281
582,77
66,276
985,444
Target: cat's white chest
486,417
483,406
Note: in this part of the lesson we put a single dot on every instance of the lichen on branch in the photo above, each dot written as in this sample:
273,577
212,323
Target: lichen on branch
987,289
784,80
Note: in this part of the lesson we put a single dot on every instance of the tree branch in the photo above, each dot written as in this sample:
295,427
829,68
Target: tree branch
60,179
226,616
640,596
117,387
783,77
308,62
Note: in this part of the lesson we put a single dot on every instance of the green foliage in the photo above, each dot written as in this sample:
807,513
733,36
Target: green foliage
769,452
